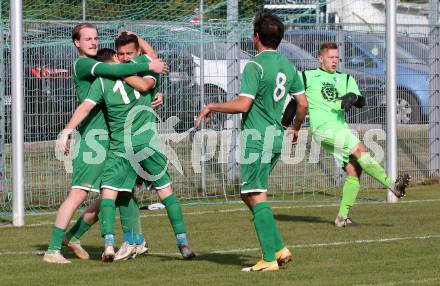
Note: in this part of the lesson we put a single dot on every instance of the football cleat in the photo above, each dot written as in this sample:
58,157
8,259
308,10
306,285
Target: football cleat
141,249
283,256
399,187
263,266
55,257
186,251
76,248
125,252
109,253
341,221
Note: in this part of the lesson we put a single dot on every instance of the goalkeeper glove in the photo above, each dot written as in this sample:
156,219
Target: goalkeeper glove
351,99
361,102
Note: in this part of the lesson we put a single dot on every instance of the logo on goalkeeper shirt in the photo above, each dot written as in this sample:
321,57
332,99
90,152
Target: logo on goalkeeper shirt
329,92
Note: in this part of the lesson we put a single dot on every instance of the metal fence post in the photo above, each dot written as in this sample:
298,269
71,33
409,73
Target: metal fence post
202,97
434,86
233,77
17,112
84,10
340,40
3,190
391,94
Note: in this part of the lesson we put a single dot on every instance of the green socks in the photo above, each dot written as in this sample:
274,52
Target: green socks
57,238
279,244
174,212
78,230
107,210
130,217
267,232
372,168
349,193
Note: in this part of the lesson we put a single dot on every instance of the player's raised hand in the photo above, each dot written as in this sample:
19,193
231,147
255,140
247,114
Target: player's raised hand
206,113
129,33
158,100
158,66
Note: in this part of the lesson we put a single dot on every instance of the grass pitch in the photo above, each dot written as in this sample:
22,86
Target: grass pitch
396,244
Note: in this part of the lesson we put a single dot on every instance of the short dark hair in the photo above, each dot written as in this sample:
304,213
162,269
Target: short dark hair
105,55
270,29
125,39
327,46
77,29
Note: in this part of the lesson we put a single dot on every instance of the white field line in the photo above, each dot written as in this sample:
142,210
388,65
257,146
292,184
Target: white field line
43,223
338,243
280,207
404,282
294,246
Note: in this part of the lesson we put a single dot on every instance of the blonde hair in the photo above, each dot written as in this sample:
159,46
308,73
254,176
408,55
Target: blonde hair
77,29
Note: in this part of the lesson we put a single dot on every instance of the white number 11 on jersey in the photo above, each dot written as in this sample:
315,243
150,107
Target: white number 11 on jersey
119,86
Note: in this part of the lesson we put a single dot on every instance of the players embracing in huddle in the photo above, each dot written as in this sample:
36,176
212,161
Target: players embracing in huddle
87,175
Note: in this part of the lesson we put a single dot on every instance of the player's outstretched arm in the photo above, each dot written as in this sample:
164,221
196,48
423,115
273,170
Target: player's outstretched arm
146,48
126,69
81,112
142,84
289,114
301,112
238,105
84,68
158,66
117,70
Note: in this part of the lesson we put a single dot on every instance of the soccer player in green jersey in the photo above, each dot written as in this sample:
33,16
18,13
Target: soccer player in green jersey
129,46
330,94
132,132
87,171
266,82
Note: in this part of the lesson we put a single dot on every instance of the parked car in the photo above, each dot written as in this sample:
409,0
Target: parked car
48,90
416,49
366,53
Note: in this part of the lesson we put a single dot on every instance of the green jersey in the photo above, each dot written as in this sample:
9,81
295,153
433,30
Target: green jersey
323,90
85,71
121,100
267,79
